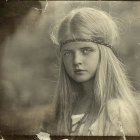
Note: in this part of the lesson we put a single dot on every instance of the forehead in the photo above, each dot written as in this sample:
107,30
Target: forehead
78,45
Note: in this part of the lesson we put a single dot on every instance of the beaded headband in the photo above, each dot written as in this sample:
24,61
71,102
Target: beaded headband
97,41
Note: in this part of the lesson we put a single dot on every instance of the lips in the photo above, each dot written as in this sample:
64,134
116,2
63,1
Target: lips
79,71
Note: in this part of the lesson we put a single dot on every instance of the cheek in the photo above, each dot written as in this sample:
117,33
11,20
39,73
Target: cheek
92,62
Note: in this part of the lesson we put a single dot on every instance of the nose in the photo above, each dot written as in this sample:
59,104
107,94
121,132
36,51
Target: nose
77,59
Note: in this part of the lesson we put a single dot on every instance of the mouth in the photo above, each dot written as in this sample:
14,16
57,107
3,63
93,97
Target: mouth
79,71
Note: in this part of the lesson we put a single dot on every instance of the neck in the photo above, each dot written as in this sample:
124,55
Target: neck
87,87
83,102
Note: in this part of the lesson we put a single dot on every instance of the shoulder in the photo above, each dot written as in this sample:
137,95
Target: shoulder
118,105
121,107
122,112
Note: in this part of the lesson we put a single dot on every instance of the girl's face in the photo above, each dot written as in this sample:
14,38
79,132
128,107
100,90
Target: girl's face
80,60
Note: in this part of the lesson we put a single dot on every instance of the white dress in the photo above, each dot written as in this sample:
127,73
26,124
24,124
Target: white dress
116,119
96,129
119,122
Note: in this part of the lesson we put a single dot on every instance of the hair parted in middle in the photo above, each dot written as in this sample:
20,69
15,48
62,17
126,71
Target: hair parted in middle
110,81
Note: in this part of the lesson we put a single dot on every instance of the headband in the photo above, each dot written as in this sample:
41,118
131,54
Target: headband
97,41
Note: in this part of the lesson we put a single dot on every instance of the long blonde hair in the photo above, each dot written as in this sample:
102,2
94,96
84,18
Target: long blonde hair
110,81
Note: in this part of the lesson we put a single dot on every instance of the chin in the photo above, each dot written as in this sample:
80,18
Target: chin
81,80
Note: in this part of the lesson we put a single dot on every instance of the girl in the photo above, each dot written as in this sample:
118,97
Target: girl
94,96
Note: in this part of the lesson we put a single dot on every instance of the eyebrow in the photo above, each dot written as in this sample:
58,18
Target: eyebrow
87,47
67,50
79,48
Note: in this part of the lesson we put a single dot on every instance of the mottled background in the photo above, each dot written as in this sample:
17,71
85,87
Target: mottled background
28,62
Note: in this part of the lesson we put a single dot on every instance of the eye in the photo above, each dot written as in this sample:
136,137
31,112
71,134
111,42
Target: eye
87,50
67,53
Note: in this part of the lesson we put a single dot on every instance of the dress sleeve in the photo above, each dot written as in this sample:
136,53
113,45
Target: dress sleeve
116,126
109,122
118,118
122,118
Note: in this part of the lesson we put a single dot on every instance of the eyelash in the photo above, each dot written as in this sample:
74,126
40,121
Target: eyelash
67,53
86,50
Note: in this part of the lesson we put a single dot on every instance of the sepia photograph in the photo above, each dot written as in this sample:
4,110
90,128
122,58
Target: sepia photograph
69,70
